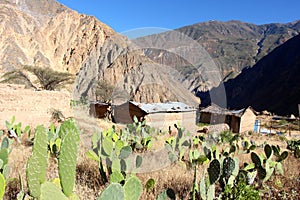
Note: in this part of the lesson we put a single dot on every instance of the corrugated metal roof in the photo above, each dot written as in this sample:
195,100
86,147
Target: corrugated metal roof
216,110
99,103
223,111
238,112
163,107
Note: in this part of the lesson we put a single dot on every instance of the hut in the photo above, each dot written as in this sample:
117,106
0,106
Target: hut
158,115
239,121
99,109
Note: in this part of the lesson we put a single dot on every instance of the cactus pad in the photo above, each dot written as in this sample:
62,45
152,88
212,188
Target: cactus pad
40,149
4,156
256,160
32,173
228,166
268,151
133,188
261,172
50,191
2,186
214,171
67,162
150,184
37,163
283,156
113,192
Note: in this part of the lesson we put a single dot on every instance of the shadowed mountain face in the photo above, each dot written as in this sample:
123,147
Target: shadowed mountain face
272,84
232,45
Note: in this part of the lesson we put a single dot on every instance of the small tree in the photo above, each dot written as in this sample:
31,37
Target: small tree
46,78
104,91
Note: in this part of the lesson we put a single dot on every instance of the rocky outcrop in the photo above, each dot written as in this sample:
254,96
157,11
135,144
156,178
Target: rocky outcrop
134,76
47,34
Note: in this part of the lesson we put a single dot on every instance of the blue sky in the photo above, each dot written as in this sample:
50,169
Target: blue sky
126,15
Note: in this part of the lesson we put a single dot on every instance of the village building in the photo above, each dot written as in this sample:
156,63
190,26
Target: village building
239,121
99,109
157,115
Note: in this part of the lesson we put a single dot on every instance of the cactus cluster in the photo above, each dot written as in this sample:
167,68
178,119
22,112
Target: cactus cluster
177,146
116,154
131,190
38,186
138,135
294,146
265,164
4,168
222,169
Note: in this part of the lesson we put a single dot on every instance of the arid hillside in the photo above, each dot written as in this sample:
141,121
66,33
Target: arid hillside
31,107
47,34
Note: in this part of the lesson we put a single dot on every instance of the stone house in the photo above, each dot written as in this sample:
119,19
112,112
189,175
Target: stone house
239,121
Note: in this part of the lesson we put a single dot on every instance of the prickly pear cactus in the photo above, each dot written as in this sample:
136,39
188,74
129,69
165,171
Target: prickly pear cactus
2,186
214,171
4,156
211,192
69,126
261,172
37,163
228,167
113,192
50,191
107,146
40,149
5,143
133,188
116,177
202,187
283,156
68,157
268,151
256,160
32,172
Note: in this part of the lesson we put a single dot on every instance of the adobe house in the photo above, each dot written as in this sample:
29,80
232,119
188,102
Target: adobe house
239,121
99,109
158,115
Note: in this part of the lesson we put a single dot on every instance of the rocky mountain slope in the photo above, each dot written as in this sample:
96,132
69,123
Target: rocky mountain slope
47,34
231,45
271,84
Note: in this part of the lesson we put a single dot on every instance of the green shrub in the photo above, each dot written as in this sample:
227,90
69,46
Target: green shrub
241,191
46,78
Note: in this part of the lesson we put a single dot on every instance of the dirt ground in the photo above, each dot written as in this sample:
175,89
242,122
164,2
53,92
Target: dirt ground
31,107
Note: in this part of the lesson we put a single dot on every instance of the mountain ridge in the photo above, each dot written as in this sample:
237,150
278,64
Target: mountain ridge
272,83
232,45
